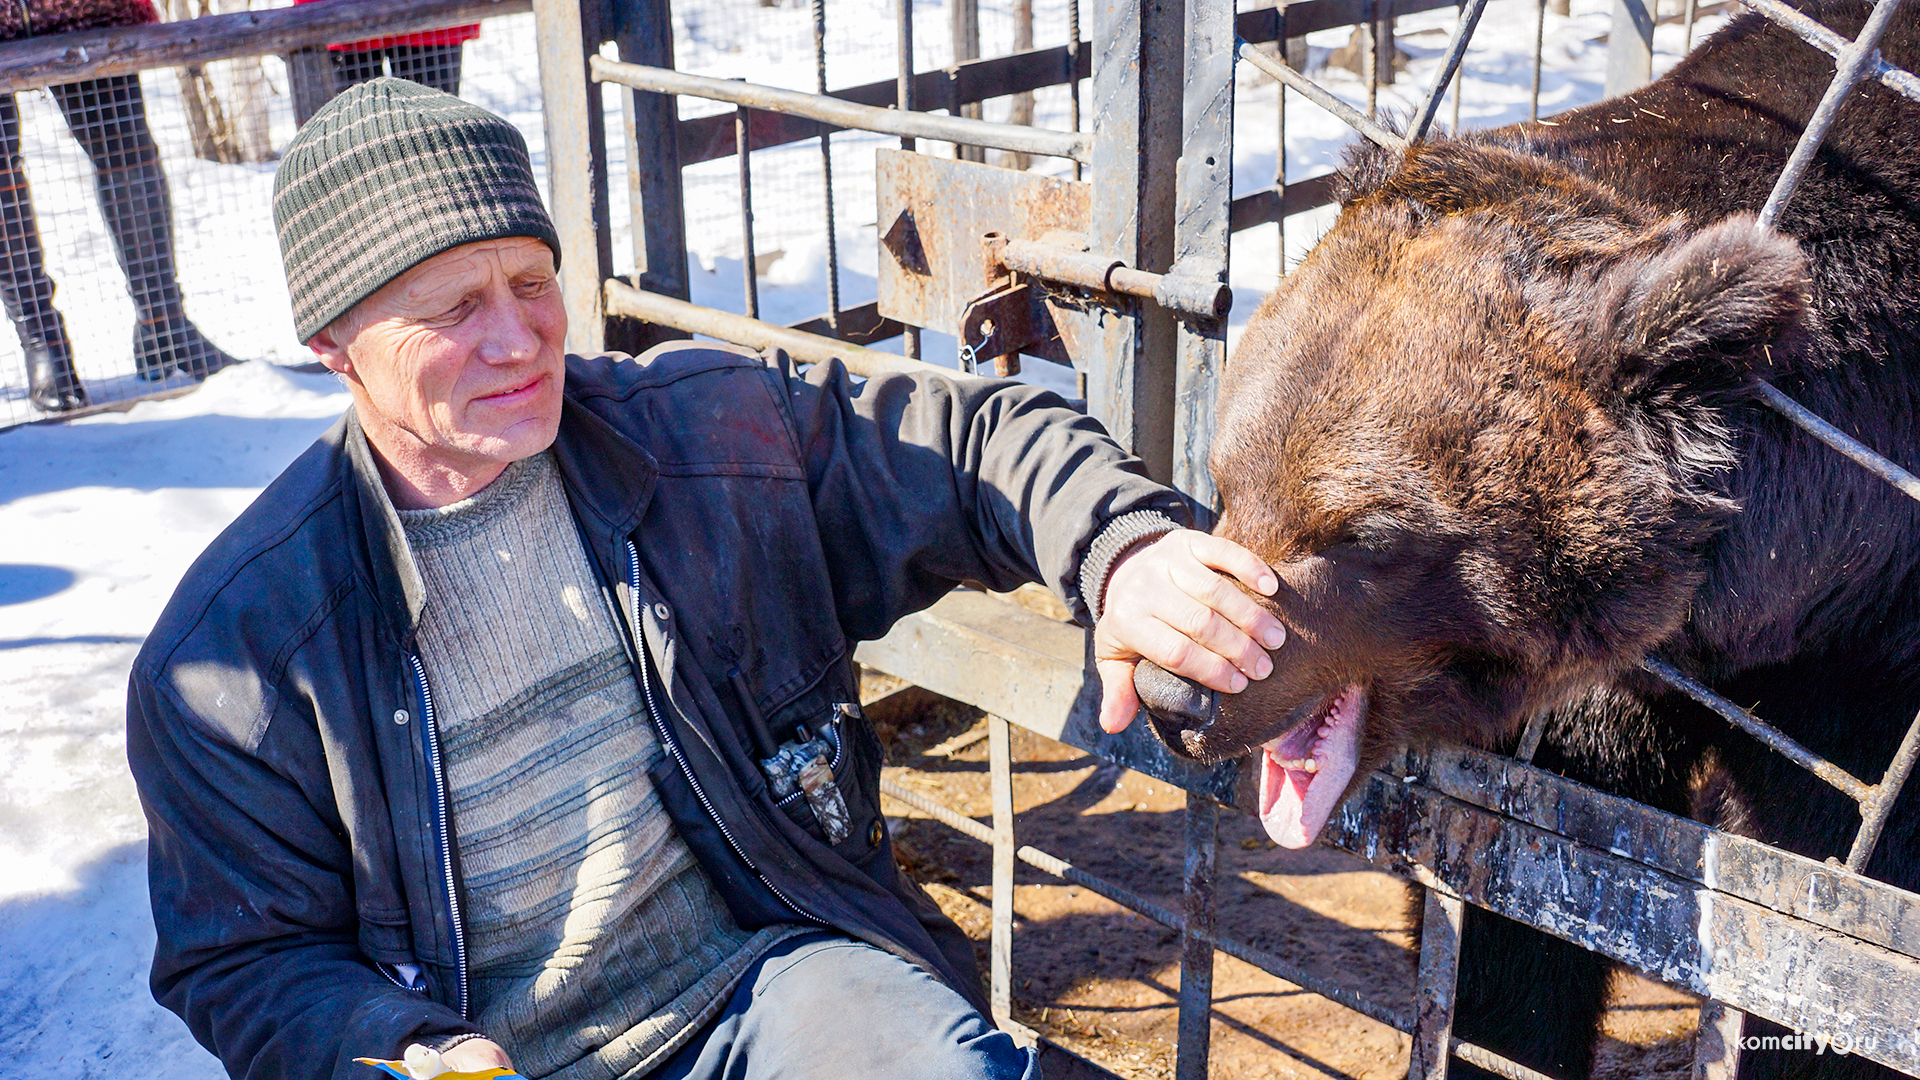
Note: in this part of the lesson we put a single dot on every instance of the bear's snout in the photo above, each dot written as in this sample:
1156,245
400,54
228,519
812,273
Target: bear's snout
1179,708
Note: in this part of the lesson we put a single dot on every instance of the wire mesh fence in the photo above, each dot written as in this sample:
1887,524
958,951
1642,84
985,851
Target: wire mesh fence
139,250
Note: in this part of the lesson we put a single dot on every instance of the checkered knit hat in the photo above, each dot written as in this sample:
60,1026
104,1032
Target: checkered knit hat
387,175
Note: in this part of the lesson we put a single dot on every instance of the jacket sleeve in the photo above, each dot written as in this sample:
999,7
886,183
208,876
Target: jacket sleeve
920,481
253,904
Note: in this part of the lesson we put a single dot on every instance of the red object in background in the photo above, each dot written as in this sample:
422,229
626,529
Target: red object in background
452,35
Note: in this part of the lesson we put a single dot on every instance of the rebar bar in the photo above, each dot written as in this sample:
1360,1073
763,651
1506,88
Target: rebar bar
1449,64
826,167
1073,75
1847,783
1820,429
742,132
1818,36
847,114
903,100
1539,51
1876,810
1319,95
1850,66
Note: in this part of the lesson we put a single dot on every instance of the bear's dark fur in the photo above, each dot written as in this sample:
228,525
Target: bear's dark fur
1499,437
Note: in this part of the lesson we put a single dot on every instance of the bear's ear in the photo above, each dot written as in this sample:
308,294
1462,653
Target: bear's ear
1708,303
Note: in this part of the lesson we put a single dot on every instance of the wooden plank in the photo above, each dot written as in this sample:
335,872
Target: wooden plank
1770,965
1035,672
124,50
1820,893
565,99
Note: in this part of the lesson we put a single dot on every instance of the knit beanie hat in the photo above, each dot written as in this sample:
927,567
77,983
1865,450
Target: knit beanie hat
387,175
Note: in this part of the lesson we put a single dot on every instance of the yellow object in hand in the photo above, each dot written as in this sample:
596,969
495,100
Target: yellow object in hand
421,1063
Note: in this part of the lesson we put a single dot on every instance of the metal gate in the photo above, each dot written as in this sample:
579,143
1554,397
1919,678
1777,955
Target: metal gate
1124,277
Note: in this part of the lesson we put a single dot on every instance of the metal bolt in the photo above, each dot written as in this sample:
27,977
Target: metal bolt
400,716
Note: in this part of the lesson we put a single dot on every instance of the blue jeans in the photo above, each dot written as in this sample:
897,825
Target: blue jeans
826,1007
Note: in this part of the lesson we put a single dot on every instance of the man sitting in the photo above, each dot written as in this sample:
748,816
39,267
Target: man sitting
517,718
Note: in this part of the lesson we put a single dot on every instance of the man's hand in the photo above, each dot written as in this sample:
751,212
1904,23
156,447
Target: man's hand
1167,602
475,1055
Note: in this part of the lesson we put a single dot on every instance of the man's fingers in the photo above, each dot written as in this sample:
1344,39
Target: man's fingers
1119,702
1226,556
1221,637
1180,654
1206,585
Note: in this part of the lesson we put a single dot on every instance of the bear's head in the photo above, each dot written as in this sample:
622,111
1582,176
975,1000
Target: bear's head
1480,434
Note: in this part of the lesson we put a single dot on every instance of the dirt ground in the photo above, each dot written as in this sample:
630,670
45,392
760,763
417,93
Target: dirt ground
1102,982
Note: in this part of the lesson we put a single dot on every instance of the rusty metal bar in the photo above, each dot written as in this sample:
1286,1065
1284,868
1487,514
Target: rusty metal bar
1208,298
1000,774
1492,1062
1073,73
624,299
846,114
1716,1049
1877,809
1530,739
1848,784
1539,51
1850,66
749,271
1456,50
1442,918
1319,95
826,166
903,100
1196,940
1820,429
1824,39
1372,60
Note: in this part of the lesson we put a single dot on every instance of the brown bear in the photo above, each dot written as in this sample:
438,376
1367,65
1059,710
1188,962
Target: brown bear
1499,436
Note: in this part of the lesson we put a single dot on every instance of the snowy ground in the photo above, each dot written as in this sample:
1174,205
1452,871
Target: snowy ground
101,516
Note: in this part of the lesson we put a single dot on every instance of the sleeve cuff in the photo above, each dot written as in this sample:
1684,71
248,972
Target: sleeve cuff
1114,540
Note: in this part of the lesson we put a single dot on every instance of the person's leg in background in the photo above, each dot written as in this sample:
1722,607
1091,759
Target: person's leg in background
25,288
354,68
109,118
826,1007
437,66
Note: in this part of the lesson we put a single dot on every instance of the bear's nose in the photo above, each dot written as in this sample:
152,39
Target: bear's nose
1179,708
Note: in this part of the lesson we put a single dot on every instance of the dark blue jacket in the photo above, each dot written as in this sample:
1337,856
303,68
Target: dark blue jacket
304,882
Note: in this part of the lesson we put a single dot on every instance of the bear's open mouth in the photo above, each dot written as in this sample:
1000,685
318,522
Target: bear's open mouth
1304,771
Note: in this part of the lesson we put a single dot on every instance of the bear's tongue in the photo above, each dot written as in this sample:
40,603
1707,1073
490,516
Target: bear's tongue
1304,771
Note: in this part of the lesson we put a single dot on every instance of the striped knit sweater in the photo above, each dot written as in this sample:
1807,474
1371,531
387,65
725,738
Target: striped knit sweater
596,944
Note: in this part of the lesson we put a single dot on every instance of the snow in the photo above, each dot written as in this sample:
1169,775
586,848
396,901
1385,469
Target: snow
101,516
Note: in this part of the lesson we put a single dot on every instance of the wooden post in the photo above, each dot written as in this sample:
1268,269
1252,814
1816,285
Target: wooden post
576,152
1000,778
1443,919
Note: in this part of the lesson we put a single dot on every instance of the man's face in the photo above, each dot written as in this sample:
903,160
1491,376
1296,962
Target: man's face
457,364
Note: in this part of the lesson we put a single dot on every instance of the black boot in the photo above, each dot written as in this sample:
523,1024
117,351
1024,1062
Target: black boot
25,290
109,118
52,385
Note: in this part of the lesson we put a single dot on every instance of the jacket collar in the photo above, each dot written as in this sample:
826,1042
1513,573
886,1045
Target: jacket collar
609,478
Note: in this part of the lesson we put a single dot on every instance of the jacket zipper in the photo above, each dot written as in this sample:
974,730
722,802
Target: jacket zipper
672,744
440,823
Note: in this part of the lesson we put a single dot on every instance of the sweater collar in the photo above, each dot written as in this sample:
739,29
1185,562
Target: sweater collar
609,479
